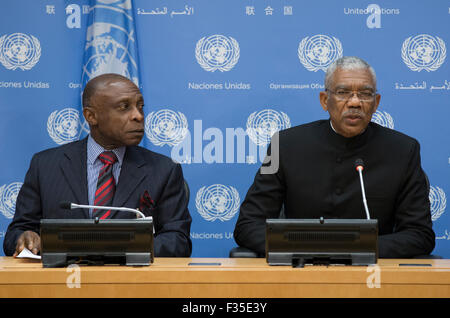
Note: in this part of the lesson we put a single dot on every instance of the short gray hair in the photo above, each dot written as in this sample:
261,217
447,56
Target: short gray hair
348,63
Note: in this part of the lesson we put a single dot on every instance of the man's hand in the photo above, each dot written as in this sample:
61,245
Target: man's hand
30,240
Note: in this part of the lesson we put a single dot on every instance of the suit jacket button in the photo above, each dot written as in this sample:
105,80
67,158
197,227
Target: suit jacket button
338,191
338,159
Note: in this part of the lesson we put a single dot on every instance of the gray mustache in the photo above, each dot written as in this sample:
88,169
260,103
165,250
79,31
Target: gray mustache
354,112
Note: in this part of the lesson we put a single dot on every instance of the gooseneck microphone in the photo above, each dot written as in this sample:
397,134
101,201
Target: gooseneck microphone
359,165
69,206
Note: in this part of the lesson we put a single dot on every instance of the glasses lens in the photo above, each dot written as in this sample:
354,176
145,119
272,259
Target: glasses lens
346,95
366,96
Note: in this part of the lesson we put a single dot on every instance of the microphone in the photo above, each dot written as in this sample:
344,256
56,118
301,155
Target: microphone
359,165
69,206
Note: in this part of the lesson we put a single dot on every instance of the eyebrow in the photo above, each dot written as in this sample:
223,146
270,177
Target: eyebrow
367,87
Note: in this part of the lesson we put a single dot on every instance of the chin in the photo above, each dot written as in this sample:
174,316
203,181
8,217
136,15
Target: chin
134,142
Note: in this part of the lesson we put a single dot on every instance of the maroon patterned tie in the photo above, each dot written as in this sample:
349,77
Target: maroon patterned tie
106,184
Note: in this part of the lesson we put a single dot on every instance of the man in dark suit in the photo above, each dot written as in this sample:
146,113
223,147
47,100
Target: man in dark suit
314,173
107,168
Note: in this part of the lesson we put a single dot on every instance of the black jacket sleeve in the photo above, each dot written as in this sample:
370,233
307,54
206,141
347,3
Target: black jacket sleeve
264,200
28,209
172,218
413,234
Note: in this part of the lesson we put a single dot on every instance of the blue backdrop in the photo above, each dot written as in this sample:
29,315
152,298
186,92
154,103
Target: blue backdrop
218,78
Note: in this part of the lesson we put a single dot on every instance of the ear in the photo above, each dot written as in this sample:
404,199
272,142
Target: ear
90,115
377,102
323,97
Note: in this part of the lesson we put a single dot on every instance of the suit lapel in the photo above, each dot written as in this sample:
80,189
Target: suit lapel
74,169
130,177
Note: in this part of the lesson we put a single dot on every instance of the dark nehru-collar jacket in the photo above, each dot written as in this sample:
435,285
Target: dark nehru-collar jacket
316,178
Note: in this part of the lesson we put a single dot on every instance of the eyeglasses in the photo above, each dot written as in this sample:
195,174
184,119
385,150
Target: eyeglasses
345,95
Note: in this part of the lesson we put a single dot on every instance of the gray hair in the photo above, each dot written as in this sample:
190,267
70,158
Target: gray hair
348,63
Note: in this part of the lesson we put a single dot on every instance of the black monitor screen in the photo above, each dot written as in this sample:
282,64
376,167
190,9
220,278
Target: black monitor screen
96,242
298,242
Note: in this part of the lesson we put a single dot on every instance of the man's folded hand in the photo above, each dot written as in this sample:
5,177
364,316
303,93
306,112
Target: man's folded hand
30,240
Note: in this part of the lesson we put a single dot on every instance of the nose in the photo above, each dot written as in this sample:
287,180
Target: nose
354,100
138,114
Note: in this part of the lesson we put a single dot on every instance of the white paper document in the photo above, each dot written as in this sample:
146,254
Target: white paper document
26,253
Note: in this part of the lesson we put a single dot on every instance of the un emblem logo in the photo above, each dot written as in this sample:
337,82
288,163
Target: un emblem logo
19,50
62,126
262,125
438,202
217,52
384,119
8,198
166,127
319,51
217,202
423,52
111,42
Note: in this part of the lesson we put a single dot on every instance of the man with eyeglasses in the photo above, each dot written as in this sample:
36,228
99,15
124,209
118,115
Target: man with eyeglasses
315,175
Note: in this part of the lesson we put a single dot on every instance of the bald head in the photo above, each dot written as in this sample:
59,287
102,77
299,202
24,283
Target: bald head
98,83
